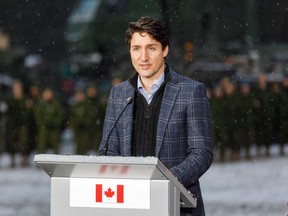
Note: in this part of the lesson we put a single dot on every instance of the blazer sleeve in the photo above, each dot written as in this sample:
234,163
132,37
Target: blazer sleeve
199,139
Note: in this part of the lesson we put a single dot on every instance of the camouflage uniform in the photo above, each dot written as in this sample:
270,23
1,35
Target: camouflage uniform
244,118
263,122
80,120
17,133
33,102
217,104
97,113
229,131
275,103
49,116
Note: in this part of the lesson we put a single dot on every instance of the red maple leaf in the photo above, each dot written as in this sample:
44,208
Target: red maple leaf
109,192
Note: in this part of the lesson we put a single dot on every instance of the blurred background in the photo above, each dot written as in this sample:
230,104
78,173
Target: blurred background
76,50
59,60
85,38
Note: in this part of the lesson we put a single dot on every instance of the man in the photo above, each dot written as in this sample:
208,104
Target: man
33,102
217,104
48,116
169,116
263,115
17,133
244,118
80,118
231,119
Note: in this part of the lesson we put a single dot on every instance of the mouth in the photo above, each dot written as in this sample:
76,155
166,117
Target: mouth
144,66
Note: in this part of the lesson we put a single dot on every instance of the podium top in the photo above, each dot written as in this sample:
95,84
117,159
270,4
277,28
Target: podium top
93,166
94,159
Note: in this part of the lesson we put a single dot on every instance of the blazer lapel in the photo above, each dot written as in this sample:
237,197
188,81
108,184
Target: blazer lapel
168,101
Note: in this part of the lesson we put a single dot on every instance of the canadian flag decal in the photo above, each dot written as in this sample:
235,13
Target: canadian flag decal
114,194
110,193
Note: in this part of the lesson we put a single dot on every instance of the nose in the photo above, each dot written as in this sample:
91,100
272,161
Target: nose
144,55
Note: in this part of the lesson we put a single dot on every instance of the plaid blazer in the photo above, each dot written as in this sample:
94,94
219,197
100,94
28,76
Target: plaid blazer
184,134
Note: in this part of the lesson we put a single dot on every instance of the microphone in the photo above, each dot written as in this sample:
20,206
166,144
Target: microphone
129,101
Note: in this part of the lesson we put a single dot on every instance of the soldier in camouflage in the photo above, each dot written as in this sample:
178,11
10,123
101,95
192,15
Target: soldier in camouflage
80,120
17,133
49,117
244,118
263,123
217,104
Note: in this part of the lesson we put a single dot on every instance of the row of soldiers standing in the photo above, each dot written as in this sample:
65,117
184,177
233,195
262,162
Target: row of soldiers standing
243,115
249,114
35,121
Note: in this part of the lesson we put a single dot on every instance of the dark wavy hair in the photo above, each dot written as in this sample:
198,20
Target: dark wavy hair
152,26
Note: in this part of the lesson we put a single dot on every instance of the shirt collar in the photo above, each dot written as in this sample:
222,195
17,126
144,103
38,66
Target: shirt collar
156,84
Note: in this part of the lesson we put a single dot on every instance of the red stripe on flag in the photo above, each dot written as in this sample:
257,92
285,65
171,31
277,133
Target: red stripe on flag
98,192
120,194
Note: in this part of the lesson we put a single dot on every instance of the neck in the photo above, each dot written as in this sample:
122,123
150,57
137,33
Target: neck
147,84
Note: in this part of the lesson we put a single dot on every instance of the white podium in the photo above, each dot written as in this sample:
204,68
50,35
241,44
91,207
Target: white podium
104,185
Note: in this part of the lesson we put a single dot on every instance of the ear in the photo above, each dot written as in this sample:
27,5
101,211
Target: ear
165,51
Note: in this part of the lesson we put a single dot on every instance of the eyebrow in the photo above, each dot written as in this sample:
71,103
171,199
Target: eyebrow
148,45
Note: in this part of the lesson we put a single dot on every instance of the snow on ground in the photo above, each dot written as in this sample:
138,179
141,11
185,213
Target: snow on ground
253,188
244,188
24,191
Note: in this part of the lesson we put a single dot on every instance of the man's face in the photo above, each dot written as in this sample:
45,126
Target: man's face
147,56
